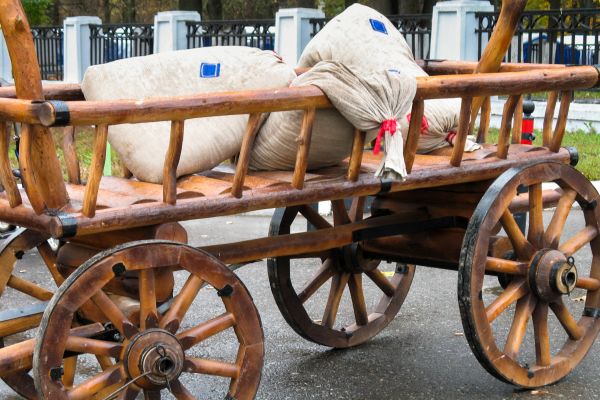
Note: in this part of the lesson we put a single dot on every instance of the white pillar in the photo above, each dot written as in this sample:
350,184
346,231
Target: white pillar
170,31
77,51
5,66
453,26
293,31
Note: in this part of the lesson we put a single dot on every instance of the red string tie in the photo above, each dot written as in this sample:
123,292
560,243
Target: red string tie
424,123
389,125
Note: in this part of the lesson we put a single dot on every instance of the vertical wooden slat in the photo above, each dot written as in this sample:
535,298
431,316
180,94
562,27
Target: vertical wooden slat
171,162
464,123
507,116
6,175
517,128
484,120
561,123
70,153
303,148
96,167
549,118
356,157
244,158
414,132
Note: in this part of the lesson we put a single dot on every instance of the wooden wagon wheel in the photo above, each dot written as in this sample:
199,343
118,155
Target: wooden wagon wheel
155,353
342,267
545,269
20,245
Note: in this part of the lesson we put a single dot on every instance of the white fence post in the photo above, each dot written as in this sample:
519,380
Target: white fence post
453,26
5,66
170,31
293,31
77,51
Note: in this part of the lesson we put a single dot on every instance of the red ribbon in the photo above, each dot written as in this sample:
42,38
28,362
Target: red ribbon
389,125
424,123
450,137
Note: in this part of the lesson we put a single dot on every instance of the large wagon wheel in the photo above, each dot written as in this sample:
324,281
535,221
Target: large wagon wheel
343,267
157,352
544,268
17,286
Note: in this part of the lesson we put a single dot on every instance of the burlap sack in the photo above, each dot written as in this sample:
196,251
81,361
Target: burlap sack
365,39
207,141
372,101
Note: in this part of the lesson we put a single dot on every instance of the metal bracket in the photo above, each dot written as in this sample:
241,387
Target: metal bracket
67,222
119,269
62,115
591,312
226,291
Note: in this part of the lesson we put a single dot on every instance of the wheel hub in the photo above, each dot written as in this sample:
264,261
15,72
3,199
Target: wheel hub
551,274
157,355
354,260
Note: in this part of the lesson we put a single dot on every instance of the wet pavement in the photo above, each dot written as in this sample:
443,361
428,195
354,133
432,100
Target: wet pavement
422,354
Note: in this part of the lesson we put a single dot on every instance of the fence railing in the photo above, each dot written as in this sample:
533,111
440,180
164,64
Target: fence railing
252,33
48,42
552,37
416,29
114,42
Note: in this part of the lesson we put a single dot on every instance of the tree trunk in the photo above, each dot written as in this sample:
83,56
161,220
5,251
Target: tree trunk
106,11
410,6
297,3
190,5
214,9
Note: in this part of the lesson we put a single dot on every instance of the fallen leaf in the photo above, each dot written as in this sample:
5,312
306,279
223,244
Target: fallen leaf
388,274
459,334
539,392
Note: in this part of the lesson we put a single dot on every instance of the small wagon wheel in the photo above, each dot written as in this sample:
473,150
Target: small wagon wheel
546,271
157,353
332,324
17,286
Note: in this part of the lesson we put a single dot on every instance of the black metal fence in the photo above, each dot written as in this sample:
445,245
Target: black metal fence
252,33
114,42
550,37
416,29
48,42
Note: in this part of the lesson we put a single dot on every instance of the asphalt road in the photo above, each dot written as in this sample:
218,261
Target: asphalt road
422,354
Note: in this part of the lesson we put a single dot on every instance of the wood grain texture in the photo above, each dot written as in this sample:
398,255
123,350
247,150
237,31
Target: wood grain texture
172,161
304,140
95,171
244,158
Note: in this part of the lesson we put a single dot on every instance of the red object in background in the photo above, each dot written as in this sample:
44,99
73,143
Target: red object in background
527,135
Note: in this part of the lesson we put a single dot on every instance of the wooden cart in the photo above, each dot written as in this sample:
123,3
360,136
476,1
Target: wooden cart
117,302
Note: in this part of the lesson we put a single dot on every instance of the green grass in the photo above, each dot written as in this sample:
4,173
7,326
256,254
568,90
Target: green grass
586,142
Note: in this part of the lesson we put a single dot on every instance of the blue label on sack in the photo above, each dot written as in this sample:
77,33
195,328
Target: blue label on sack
378,26
208,70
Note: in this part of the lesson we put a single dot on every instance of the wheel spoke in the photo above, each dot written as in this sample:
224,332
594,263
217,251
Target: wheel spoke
70,367
105,362
147,290
523,248
382,282
591,284
317,280
357,208
128,394
523,311
575,243
180,392
98,382
196,334
29,288
567,321
338,283
555,228
211,367
314,218
151,394
182,302
49,258
503,266
85,345
340,215
358,299
536,219
542,336
114,314
513,292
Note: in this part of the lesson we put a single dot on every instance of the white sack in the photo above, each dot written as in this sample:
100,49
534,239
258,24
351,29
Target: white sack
207,141
365,39
369,100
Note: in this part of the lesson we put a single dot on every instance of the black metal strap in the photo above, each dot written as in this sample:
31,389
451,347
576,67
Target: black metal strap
386,186
591,312
67,222
62,116
409,228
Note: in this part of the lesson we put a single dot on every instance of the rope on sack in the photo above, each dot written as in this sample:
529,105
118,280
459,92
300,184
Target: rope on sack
389,125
